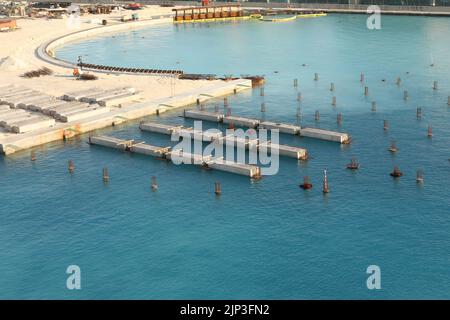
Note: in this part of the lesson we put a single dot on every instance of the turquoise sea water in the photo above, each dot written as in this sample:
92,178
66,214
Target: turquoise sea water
265,239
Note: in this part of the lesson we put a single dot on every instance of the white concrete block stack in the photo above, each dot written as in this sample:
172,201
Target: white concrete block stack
21,120
81,113
19,97
105,98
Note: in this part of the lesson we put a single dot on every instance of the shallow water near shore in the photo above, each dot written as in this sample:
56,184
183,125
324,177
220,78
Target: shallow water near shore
266,239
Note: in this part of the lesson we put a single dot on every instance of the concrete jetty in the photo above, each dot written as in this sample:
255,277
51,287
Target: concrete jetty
208,161
241,121
189,158
180,131
11,142
234,167
239,142
282,127
229,140
203,115
284,150
149,150
159,128
191,133
325,135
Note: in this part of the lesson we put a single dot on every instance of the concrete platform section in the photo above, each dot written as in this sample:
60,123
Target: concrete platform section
28,105
183,157
203,115
65,107
118,100
241,121
96,95
8,123
282,127
325,135
83,114
179,131
79,94
42,106
11,113
239,142
230,140
233,167
11,99
188,158
16,93
158,128
32,124
111,142
12,142
149,150
285,150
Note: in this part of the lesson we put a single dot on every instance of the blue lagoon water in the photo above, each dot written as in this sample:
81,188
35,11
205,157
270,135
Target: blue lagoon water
264,239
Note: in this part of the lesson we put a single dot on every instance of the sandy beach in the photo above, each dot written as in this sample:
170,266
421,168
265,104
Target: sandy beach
18,57
30,48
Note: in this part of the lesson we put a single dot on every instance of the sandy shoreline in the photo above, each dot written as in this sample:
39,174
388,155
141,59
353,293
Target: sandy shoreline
19,56
156,93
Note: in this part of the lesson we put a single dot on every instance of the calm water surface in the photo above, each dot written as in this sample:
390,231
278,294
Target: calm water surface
265,239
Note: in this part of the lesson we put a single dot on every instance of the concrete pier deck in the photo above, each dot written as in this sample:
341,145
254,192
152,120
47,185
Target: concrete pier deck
325,135
285,150
75,125
203,115
159,128
111,142
149,150
180,131
234,167
282,127
229,140
241,121
239,142
208,161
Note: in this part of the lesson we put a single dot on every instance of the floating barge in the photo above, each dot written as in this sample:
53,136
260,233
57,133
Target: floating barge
209,161
315,133
209,13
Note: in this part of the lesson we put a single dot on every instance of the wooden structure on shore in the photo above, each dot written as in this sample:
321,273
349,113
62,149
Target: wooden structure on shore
207,13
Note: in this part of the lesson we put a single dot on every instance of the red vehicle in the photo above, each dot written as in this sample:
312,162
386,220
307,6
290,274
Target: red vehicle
134,6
